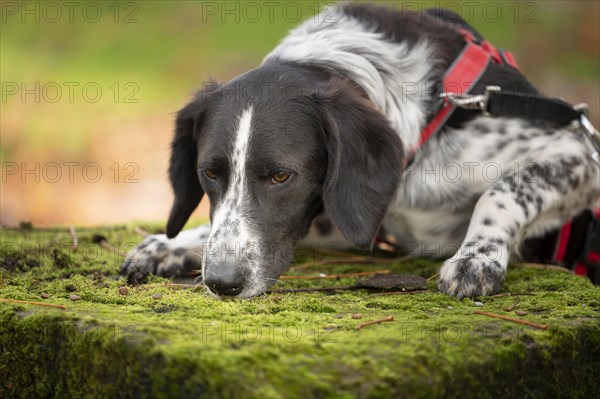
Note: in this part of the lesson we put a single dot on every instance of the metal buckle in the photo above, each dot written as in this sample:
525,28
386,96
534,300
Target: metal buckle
584,108
473,102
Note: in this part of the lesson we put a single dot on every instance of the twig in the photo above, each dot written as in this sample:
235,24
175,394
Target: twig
315,289
74,235
541,266
327,251
498,316
399,293
351,260
384,246
335,276
368,323
173,285
433,277
511,294
401,259
49,305
511,307
141,231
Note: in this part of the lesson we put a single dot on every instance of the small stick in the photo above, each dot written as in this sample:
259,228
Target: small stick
335,276
511,307
541,266
50,305
368,323
74,235
498,316
433,277
174,285
400,293
141,231
511,294
389,260
352,260
316,289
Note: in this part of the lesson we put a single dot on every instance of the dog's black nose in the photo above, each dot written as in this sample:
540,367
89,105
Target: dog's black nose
223,279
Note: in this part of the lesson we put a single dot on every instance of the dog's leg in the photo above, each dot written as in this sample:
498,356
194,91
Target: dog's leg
160,255
551,187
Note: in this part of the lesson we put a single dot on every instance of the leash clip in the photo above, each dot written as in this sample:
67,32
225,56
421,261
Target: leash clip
473,102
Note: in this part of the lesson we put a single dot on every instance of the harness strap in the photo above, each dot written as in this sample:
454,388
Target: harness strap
500,56
462,76
578,245
531,106
563,242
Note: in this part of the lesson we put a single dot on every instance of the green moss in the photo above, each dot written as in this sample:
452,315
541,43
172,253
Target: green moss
281,345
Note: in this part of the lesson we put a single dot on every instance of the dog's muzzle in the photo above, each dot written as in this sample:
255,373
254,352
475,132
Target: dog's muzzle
224,278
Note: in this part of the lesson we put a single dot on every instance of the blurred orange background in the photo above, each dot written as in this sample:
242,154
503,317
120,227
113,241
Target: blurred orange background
89,89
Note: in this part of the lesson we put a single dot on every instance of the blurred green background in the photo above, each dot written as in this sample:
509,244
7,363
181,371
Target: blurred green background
89,88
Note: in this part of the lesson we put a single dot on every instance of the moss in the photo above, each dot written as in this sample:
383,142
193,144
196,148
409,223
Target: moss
187,344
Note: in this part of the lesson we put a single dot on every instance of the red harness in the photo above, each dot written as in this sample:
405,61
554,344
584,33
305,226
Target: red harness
564,239
462,76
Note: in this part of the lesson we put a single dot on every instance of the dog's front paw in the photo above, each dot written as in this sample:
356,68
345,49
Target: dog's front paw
471,275
156,254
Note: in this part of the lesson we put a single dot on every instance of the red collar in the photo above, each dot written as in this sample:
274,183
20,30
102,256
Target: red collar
462,76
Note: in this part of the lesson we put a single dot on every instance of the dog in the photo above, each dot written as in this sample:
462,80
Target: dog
326,126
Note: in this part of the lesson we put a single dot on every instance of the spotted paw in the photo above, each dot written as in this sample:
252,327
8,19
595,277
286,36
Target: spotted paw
158,255
471,275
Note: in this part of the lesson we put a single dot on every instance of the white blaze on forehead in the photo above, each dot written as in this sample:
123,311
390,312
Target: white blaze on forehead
240,150
230,232
236,191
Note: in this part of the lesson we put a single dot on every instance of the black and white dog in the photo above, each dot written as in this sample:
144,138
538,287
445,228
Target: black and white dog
325,125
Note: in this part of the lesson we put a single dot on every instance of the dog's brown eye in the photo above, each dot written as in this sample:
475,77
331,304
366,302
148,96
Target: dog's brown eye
279,177
210,174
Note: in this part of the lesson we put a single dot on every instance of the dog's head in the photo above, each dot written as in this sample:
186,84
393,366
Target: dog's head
272,149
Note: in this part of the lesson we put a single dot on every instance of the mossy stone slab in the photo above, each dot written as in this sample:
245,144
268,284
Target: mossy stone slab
183,343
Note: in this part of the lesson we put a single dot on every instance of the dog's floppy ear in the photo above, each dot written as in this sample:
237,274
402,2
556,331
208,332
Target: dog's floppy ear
365,159
182,167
